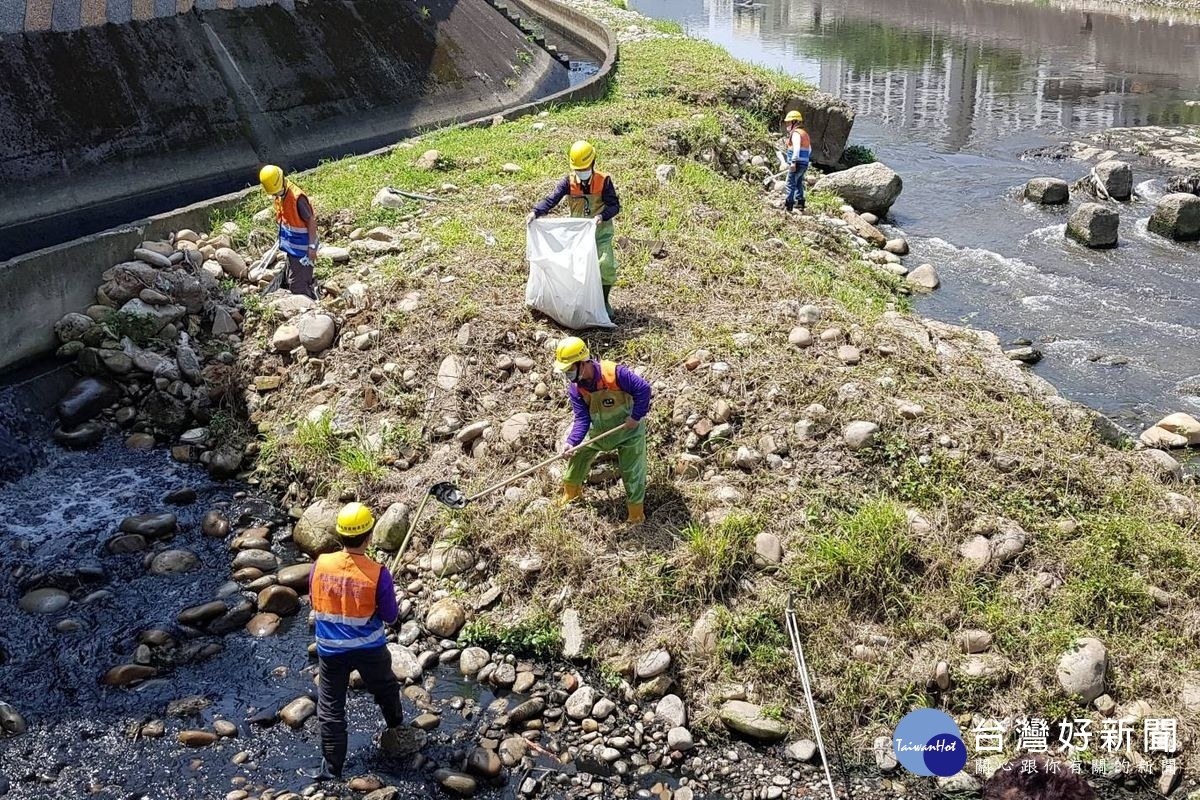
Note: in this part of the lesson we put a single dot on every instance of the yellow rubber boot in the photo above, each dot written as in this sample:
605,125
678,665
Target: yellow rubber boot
637,514
571,492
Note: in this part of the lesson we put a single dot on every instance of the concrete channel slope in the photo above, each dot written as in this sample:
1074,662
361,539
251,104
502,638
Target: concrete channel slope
111,110
40,286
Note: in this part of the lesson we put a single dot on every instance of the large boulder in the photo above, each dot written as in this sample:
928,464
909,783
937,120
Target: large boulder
314,533
83,401
1177,217
828,120
1116,178
1047,191
868,187
231,262
1094,225
185,290
1174,430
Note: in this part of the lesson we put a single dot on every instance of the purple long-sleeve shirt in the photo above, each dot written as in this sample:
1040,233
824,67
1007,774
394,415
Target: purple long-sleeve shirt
608,193
627,380
385,594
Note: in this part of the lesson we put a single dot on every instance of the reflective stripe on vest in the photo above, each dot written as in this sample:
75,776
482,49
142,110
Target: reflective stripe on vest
293,231
608,404
797,150
343,599
587,204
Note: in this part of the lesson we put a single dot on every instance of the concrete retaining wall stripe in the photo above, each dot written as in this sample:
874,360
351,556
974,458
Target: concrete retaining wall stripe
38,15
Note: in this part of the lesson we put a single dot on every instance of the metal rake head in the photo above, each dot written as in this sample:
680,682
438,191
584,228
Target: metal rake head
448,494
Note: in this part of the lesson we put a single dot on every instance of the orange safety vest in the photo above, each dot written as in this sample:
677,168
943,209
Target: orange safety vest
587,204
608,404
343,600
293,230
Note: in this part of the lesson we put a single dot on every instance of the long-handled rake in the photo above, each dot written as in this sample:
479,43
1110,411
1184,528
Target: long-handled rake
448,494
793,630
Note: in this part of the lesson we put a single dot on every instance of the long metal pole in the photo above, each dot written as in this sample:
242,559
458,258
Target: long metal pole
412,526
802,668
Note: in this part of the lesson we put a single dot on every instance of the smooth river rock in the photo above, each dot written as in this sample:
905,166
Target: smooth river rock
45,601
1081,669
152,526
748,720
314,533
173,562
83,401
279,600
261,625
295,713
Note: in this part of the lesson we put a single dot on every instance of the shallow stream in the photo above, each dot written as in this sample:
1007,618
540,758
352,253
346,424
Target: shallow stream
950,94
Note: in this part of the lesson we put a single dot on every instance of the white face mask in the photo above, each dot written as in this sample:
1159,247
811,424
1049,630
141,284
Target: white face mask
583,174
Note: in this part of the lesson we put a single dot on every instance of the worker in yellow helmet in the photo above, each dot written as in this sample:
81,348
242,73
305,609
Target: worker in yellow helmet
589,193
799,151
353,597
297,229
604,395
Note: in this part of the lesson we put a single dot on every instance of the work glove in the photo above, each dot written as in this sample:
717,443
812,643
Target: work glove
306,261
530,217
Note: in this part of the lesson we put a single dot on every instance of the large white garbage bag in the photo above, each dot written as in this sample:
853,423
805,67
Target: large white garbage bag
564,273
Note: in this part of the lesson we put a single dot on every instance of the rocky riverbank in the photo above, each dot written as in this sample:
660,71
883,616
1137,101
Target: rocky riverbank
1175,148
953,530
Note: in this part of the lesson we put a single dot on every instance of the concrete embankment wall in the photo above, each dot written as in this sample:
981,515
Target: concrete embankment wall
41,286
107,123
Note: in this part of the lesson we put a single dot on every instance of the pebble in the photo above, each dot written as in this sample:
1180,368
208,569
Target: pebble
197,738
800,337
653,664
680,739
457,782
427,721
603,709
671,710
261,625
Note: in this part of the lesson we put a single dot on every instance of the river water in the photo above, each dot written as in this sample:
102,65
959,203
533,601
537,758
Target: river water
950,93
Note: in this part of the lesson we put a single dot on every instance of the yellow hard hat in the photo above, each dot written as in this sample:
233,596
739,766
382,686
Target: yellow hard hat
570,350
583,155
794,116
271,178
354,519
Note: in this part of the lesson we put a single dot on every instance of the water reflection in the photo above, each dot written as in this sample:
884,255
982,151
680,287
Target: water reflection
966,72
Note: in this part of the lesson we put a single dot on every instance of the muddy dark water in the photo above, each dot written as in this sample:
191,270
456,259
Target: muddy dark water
81,740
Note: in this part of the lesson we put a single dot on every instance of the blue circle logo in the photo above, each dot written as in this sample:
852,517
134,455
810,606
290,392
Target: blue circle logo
928,742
